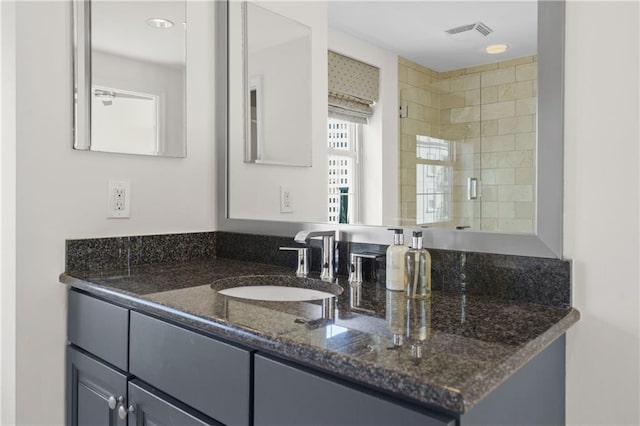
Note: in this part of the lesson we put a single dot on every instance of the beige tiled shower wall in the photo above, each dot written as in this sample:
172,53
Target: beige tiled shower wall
490,112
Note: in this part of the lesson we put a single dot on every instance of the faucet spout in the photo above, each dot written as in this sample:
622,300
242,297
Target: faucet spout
304,236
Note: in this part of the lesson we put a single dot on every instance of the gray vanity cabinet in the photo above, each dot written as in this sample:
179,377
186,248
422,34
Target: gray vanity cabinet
94,391
176,376
286,395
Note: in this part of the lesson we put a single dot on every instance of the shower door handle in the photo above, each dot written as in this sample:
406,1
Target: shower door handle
472,188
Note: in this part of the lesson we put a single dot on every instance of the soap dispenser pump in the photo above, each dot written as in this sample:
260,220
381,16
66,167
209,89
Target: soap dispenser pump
396,279
418,267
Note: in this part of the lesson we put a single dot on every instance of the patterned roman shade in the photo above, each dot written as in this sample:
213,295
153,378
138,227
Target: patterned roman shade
353,88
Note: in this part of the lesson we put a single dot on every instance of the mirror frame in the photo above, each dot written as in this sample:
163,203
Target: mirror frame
81,19
546,242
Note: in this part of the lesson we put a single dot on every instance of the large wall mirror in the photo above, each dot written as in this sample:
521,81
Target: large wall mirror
130,70
446,115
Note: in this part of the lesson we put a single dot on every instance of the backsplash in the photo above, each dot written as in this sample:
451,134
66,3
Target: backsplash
517,278
99,254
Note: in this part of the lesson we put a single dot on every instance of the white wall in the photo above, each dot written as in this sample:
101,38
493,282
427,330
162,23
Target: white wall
380,166
7,214
62,193
601,211
255,189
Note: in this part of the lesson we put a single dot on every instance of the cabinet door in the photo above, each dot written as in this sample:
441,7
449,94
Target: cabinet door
150,409
92,391
284,395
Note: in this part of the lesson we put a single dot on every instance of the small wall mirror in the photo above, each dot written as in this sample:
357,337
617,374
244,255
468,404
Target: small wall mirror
277,75
130,68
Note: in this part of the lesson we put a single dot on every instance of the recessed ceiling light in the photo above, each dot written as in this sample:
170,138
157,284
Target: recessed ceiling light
495,49
160,23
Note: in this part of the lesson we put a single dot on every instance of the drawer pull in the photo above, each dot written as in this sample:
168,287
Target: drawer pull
122,412
112,402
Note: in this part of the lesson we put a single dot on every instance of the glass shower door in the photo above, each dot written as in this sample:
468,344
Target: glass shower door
468,146
439,159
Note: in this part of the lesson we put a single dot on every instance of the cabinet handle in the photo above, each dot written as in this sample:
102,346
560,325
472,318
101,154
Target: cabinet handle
112,402
122,412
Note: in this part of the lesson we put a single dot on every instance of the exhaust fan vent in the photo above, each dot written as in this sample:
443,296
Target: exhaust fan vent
478,26
461,29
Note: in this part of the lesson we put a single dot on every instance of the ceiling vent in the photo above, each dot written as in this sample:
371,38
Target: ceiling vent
477,28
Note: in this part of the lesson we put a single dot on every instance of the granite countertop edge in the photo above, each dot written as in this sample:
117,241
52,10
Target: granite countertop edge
483,385
405,386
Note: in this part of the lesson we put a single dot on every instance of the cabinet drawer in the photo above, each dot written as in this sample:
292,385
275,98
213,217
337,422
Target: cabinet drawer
208,375
99,327
285,395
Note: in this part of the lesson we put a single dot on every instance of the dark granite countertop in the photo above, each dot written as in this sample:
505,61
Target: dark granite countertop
469,343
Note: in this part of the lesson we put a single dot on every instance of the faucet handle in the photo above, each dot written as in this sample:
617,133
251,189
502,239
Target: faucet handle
355,267
303,260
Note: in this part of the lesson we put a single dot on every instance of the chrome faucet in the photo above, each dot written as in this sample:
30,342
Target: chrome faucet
328,251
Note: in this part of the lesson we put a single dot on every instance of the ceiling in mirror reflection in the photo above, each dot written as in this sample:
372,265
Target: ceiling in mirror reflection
417,30
121,28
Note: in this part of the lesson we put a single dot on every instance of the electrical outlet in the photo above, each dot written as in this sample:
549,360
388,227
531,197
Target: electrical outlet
119,199
286,202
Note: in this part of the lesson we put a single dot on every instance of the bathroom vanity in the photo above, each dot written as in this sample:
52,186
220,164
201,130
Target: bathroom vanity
153,341
158,344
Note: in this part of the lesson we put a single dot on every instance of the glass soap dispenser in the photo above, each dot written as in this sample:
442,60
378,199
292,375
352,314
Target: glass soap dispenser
396,269
418,264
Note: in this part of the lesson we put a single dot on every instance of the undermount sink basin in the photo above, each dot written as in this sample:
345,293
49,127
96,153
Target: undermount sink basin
276,293
276,288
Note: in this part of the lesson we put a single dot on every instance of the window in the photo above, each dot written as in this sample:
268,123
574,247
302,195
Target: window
343,162
434,179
